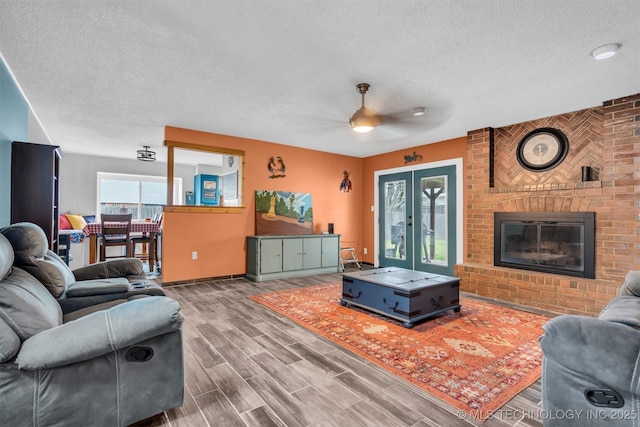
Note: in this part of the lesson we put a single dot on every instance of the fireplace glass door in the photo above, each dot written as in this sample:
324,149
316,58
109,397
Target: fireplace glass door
544,244
551,244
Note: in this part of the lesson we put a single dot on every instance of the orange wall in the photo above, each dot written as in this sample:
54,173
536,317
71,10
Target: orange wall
220,238
445,150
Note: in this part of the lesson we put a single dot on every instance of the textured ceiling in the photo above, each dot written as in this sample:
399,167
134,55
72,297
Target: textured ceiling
105,77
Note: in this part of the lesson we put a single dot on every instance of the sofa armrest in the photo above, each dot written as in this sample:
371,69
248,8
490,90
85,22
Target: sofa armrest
100,333
608,352
116,285
122,267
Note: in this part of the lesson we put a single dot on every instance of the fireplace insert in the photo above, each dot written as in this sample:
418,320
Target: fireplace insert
551,242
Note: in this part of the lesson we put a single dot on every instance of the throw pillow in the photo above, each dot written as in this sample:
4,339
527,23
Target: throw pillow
77,221
64,223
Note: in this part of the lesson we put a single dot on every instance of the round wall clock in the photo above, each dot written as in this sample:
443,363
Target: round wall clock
542,149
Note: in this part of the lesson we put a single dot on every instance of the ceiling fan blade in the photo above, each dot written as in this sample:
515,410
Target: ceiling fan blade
404,120
334,122
391,130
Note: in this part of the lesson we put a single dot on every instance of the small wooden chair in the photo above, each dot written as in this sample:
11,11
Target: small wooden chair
116,230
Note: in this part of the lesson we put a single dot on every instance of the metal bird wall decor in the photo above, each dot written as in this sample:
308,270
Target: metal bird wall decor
277,170
345,185
412,158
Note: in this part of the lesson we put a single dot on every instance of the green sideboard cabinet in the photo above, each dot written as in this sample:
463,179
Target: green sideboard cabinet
280,257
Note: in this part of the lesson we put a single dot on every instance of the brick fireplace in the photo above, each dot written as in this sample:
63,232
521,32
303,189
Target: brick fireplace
607,139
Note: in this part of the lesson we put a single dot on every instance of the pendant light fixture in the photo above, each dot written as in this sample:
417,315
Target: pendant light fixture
363,120
146,155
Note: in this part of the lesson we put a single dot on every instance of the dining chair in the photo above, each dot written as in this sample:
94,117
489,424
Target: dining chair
64,247
116,231
144,240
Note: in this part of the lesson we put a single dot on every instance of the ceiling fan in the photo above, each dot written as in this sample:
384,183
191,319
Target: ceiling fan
365,120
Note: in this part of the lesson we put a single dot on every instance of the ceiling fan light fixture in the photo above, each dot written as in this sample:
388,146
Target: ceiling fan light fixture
363,121
606,51
146,155
362,128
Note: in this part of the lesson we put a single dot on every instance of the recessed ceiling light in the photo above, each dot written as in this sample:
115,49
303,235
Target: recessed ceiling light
606,51
418,111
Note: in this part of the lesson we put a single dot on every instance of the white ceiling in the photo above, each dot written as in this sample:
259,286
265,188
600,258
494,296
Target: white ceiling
105,77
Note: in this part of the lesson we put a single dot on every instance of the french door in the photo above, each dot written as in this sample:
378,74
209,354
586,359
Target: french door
417,220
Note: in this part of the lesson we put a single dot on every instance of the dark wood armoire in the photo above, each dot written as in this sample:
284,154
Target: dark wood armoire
35,187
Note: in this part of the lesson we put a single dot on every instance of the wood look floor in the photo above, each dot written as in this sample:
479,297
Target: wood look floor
246,365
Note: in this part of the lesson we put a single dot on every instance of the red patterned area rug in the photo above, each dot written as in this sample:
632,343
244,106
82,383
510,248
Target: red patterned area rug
476,360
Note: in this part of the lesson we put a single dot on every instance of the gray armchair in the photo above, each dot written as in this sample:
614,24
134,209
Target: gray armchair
591,366
91,367
102,283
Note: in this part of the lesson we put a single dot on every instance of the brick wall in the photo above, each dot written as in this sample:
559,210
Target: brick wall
606,138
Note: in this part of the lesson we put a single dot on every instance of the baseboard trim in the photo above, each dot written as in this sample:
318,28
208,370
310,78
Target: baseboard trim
204,279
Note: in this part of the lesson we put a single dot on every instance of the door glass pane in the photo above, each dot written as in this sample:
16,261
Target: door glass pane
433,228
395,207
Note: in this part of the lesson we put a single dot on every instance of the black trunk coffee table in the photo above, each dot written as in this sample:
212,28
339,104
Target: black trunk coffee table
406,295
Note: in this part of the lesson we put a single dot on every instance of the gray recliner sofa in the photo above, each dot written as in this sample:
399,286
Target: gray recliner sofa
106,283
591,366
90,367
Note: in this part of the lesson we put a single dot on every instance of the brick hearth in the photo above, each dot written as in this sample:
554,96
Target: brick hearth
606,138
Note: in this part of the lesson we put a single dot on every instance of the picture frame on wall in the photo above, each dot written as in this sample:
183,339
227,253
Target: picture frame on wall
283,213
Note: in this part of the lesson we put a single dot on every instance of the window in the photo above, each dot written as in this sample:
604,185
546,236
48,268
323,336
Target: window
141,195
230,164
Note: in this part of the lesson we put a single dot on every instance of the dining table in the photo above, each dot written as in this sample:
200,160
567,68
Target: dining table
94,229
